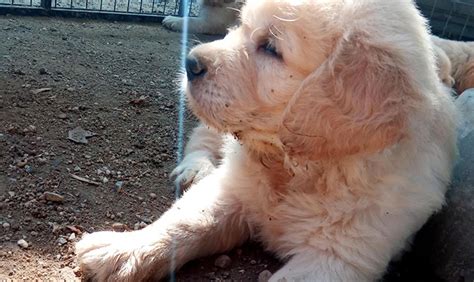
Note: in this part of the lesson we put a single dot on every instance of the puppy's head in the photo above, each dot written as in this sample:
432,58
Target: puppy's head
294,75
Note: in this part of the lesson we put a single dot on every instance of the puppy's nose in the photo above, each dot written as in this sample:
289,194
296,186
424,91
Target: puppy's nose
194,67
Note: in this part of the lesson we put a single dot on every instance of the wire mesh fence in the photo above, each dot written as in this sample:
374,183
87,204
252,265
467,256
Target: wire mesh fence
147,8
452,19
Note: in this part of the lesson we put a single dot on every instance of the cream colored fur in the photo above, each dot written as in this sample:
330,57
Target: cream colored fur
344,145
457,62
215,17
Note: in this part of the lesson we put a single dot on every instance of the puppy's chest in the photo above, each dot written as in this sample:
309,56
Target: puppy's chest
302,208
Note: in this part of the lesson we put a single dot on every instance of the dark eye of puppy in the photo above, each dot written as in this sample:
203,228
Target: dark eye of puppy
270,49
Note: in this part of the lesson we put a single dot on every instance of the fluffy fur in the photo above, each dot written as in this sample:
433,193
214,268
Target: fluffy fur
456,62
345,140
215,17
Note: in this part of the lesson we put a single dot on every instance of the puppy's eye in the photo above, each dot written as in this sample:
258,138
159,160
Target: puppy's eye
270,49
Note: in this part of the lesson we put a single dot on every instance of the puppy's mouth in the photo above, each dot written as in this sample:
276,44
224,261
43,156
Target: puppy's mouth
206,105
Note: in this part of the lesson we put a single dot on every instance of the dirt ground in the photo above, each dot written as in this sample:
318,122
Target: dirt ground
119,81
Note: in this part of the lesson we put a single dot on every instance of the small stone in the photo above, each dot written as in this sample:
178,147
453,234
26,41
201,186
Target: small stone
30,128
22,243
253,262
11,193
153,195
72,236
42,71
77,168
21,163
223,261
28,168
61,241
42,160
6,225
53,197
62,116
139,225
105,180
264,276
119,227
118,186
71,89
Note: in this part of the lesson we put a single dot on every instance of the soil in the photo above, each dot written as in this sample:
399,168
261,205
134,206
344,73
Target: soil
119,81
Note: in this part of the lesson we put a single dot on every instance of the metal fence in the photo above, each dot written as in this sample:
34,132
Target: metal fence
148,10
452,19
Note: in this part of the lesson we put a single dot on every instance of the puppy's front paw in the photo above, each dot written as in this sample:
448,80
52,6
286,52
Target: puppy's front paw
194,167
109,256
173,23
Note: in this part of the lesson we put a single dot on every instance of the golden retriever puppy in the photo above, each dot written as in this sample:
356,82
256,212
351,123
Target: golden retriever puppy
215,17
345,145
461,62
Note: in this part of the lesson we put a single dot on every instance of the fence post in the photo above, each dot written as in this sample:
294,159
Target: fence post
46,4
181,8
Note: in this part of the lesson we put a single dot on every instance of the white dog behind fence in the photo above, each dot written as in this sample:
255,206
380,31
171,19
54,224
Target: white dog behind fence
215,17
346,141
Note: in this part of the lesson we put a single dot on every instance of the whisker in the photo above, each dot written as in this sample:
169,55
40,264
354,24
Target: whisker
253,33
285,20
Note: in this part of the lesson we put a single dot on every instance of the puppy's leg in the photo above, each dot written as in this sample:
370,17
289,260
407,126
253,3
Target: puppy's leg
202,154
444,66
318,267
199,224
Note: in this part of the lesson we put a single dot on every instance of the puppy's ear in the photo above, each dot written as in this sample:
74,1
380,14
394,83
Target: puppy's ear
353,103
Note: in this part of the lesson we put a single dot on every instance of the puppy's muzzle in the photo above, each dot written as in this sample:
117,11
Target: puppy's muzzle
194,68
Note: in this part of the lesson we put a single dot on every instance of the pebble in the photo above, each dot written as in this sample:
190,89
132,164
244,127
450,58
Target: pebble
253,262
153,195
61,241
119,227
223,261
30,128
264,276
62,116
6,225
139,225
118,186
11,193
53,197
21,163
72,236
42,71
28,168
22,243
42,160
77,168
71,89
